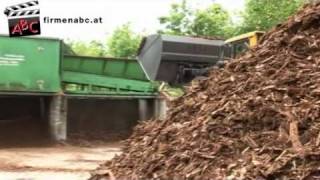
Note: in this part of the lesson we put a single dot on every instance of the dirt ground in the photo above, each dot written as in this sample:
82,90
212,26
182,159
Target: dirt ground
53,162
27,153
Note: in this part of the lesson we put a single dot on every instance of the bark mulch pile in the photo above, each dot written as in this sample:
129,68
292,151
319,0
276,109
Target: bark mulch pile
257,118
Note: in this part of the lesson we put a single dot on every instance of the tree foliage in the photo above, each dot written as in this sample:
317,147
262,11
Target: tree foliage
123,42
264,14
216,21
183,20
213,21
178,21
93,48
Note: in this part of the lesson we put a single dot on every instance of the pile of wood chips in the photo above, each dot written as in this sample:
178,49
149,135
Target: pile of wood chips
257,118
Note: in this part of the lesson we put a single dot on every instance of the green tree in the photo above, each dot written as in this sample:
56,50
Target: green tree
123,42
93,48
213,21
182,20
264,14
178,21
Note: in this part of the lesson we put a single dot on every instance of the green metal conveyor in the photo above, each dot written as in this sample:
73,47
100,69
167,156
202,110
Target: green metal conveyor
38,66
82,75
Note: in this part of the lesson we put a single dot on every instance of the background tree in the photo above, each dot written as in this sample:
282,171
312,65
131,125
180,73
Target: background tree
178,21
182,20
123,42
93,48
264,14
213,21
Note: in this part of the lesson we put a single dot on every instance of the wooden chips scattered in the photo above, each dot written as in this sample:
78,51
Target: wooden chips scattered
257,118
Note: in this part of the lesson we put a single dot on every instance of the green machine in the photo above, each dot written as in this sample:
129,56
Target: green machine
37,65
29,65
38,68
109,76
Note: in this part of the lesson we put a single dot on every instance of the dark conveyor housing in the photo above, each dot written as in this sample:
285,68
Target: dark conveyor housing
177,59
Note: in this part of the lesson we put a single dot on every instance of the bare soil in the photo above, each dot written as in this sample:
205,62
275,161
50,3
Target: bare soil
54,161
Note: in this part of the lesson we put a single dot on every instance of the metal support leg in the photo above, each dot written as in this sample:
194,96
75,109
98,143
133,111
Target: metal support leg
58,118
161,108
42,109
143,109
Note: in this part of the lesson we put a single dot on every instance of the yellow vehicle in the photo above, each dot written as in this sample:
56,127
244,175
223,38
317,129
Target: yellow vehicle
243,42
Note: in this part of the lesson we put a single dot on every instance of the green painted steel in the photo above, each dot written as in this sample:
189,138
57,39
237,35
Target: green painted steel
113,67
29,65
96,75
36,65
83,83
